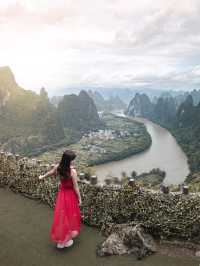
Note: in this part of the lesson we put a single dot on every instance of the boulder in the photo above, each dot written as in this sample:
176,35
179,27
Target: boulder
126,239
197,254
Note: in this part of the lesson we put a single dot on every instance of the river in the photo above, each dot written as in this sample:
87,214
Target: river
164,153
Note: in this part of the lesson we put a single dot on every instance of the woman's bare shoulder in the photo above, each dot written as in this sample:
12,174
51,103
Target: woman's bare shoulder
73,171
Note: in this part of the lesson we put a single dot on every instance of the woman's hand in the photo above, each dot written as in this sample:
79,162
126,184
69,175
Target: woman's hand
41,177
50,173
80,202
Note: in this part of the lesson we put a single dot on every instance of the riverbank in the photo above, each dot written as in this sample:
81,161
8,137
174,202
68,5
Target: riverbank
190,145
24,240
164,153
121,138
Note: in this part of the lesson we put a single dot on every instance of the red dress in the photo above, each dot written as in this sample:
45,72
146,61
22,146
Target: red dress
67,218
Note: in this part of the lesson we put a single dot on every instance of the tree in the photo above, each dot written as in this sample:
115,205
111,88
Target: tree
133,174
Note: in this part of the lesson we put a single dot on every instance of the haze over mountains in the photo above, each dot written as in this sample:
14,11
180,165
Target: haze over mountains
125,94
102,104
162,108
30,123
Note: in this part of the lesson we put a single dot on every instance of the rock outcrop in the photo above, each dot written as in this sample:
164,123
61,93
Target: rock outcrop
28,120
127,239
79,112
140,105
110,104
163,110
7,85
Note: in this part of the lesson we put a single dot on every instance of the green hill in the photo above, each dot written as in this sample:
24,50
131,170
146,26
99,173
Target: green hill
27,119
31,124
79,112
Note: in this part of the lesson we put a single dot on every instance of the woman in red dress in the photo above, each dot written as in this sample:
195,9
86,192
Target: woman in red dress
67,219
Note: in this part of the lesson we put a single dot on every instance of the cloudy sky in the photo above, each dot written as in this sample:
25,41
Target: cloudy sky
86,43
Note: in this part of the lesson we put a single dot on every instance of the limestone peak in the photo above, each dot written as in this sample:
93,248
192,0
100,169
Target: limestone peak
7,78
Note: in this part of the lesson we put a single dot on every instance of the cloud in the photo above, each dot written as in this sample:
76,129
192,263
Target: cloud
101,43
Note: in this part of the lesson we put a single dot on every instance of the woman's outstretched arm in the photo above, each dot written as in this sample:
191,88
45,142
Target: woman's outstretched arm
50,173
75,183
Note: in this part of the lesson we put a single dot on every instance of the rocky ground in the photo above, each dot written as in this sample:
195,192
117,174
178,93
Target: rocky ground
128,240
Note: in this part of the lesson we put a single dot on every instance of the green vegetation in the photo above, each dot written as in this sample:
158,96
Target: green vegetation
78,113
121,138
186,127
181,116
28,121
153,178
134,139
166,216
30,124
187,132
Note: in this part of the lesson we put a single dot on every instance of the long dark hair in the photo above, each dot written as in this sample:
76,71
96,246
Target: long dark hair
64,165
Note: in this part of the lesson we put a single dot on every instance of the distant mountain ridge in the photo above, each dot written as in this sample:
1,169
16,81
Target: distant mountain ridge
125,94
163,109
110,104
102,104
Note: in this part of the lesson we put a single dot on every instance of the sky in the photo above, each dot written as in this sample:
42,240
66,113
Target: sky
101,43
